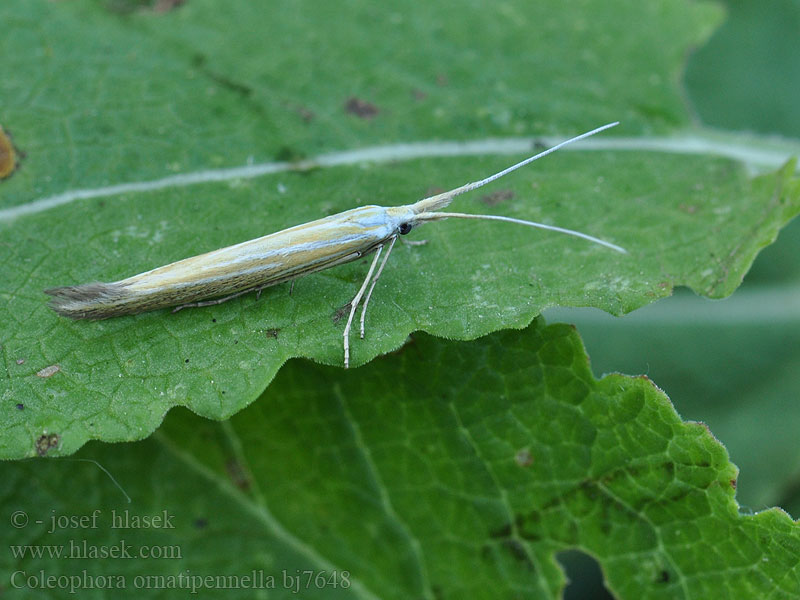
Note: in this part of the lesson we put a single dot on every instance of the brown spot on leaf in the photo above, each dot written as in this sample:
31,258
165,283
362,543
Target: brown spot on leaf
305,113
442,80
418,95
497,197
8,157
273,333
162,6
339,314
48,371
361,108
237,474
524,458
46,442
126,7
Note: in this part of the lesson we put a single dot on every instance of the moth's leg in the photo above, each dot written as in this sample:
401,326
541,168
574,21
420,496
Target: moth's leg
354,306
374,281
413,242
220,300
258,290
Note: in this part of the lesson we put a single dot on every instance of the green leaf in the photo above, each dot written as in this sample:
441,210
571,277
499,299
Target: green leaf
448,470
732,365
199,88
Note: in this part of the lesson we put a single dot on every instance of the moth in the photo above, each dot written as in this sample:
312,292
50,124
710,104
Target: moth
220,275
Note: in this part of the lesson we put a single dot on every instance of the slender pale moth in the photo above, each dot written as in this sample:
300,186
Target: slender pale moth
226,273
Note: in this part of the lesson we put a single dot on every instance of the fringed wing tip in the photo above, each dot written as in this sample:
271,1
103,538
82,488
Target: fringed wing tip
89,301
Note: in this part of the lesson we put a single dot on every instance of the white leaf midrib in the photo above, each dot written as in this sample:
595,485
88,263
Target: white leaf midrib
756,153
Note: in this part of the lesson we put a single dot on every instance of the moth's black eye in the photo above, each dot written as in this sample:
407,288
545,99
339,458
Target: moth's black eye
404,228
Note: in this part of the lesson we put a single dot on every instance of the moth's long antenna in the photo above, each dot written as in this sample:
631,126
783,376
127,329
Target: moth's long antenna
441,200
435,216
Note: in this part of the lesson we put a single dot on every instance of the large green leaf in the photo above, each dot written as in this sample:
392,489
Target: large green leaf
448,470
733,365
97,97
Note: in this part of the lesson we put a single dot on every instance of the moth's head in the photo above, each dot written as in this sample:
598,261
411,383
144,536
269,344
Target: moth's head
404,218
